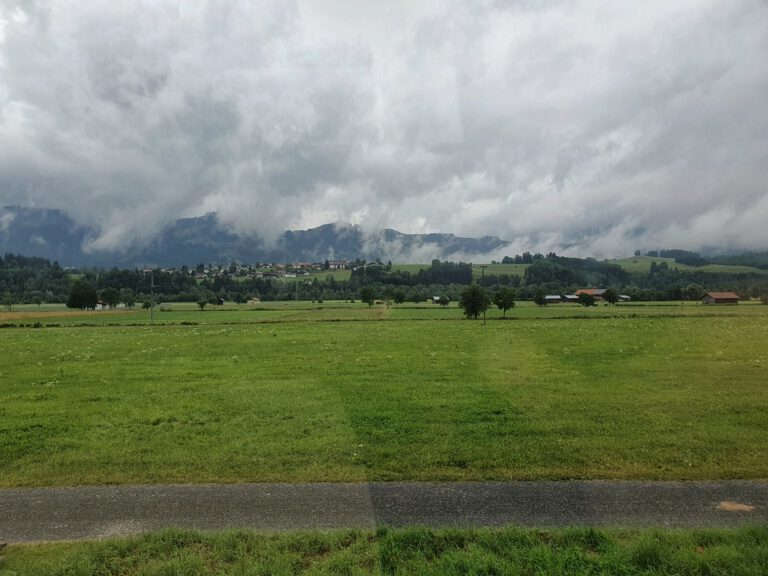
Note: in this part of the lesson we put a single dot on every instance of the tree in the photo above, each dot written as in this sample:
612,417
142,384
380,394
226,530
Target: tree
504,299
82,295
764,298
8,300
444,301
37,297
367,295
110,296
693,292
202,304
539,298
128,297
473,301
398,296
610,296
586,299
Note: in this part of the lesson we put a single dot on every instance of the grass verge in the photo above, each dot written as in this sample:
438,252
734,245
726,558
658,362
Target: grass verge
420,551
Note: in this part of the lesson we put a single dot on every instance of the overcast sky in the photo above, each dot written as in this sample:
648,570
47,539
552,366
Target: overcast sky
603,126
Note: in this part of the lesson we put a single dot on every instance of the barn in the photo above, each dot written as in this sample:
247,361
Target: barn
720,298
596,293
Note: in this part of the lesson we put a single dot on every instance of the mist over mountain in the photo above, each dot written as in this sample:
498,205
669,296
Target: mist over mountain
54,235
576,126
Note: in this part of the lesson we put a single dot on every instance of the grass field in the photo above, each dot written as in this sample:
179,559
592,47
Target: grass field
350,393
499,269
337,275
415,551
490,269
334,311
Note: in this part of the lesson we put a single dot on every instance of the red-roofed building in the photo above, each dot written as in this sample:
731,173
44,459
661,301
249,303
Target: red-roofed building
720,298
596,293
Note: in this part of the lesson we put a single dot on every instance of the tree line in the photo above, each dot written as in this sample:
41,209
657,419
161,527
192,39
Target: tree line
36,280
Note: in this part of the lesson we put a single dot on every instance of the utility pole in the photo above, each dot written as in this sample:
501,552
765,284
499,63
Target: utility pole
152,298
482,274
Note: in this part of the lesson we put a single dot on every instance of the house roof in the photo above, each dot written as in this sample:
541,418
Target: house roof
722,295
592,291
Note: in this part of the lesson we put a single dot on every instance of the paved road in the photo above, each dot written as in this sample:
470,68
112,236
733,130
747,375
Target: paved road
29,515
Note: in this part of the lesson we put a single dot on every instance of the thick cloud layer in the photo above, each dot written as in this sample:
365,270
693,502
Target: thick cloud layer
600,127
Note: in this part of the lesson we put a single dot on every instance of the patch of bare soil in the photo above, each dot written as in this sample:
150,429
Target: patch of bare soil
734,507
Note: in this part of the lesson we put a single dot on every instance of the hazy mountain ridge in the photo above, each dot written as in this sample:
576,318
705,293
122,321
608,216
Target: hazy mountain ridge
54,235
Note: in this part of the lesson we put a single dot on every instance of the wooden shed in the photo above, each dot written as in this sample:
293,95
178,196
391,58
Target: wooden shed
720,298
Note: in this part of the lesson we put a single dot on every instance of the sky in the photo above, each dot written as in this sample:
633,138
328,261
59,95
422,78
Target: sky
583,126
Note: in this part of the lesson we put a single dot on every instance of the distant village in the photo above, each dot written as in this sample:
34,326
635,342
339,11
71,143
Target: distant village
258,270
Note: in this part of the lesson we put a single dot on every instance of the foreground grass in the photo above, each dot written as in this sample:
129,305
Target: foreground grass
570,552
647,397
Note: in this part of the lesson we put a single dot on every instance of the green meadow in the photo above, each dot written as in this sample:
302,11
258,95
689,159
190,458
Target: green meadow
53,315
413,551
343,392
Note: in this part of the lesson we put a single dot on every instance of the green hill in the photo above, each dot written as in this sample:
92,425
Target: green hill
642,265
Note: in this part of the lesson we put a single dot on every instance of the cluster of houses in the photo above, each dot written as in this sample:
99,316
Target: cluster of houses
266,270
597,294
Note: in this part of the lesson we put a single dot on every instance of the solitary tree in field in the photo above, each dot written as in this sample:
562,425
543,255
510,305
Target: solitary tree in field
473,301
610,296
110,297
504,299
586,299
444,301
367,295
202,304
398,296
8,300
37,297
128,297
82,296
539,298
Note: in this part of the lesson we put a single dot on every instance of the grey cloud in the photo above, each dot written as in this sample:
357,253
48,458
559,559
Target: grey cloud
549,124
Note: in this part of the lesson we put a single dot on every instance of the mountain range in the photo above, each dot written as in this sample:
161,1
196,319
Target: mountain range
54,235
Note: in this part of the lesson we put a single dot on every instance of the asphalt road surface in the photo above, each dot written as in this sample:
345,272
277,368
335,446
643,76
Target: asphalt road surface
31,515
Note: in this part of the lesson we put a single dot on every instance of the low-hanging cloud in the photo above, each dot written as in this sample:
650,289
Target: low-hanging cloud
583,127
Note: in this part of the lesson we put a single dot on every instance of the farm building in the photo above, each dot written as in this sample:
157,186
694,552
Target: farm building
720,298
597,293
570,298
553,299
